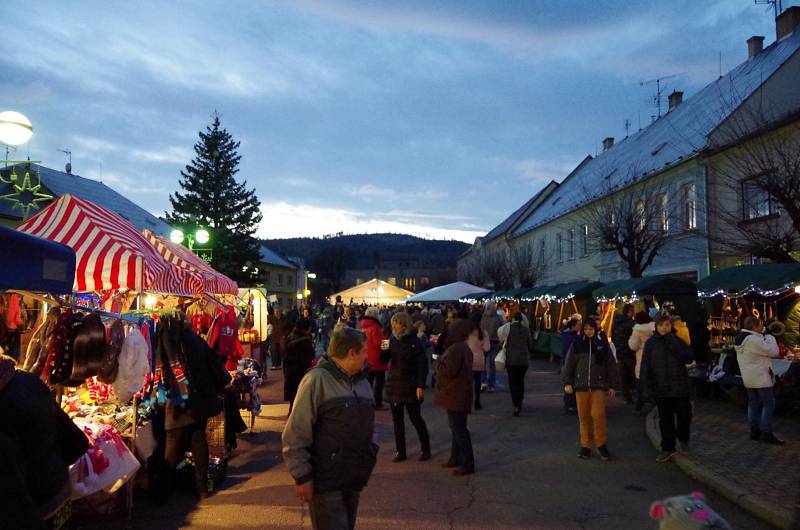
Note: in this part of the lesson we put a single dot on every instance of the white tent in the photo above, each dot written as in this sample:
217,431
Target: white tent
452,292
373,292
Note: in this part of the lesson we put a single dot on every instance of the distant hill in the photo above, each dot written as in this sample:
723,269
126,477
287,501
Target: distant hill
364,249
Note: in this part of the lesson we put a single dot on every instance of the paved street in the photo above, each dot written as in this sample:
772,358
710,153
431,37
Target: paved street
528,476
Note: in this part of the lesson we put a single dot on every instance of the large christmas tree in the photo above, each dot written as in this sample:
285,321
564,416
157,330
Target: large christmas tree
215,201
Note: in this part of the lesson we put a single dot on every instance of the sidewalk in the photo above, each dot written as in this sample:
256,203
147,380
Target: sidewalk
763,479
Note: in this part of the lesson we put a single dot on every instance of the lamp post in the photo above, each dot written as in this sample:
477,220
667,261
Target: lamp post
306,291
201,236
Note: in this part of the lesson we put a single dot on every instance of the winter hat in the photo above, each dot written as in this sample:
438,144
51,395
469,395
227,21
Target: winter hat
88,348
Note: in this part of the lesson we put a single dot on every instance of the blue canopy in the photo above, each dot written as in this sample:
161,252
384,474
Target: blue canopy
31,263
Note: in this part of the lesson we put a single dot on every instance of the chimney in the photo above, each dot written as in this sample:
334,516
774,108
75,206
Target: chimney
787,22
675,99
607,143
754,46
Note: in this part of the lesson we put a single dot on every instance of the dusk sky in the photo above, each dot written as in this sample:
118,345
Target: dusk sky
422,117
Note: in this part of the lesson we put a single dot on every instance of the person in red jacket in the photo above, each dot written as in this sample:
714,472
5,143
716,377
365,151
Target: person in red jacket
372,328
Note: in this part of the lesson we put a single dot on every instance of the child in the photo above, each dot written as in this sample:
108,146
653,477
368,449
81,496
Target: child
591,373
664,377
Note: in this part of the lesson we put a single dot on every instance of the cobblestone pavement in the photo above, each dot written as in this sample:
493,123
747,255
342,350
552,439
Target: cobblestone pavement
528,476
764,478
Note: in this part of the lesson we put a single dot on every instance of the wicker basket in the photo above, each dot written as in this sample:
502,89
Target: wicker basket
215,435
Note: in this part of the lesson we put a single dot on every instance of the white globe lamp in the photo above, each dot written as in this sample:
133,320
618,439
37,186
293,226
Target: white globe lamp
15,128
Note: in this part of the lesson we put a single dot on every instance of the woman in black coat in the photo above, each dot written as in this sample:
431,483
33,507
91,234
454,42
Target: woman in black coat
405,383
300,353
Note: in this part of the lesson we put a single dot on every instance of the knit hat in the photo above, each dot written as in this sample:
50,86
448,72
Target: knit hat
110,362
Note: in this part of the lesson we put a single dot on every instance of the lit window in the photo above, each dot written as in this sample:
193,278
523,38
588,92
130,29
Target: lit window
663,213
640,214
689,201
359,281
392,280
585,240
425,281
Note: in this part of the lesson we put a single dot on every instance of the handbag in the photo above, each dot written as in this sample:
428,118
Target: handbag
501,355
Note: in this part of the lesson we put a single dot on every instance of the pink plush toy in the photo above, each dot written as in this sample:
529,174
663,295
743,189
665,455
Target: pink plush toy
686,512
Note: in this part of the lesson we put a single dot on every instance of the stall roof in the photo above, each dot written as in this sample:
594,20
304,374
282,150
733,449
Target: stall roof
510,294
769,279
563,291
374,291
649,285
110,252
452,292
35,264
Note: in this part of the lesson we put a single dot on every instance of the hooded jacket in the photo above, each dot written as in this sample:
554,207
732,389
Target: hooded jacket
753,351
518,344
328,438
374,332
639,336
408,369
36,452
620,333
454,371
663,371
589,365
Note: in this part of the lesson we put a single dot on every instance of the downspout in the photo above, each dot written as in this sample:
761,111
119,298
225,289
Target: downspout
706,218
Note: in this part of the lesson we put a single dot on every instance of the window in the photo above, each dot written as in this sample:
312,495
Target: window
410,284
560,245
266,277
425,281
689,201
571,243
542,249
280,279
585,240
359,281
663,212
640,214
392,280
756,202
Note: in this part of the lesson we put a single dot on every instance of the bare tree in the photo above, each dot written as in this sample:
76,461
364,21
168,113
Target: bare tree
634,223
528,267
496,268
755,196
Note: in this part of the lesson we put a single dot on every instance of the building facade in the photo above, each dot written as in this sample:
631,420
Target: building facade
278,276
677,165
411,274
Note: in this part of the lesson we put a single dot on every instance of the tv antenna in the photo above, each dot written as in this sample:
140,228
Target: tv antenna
68,166
777,5
660,88
627,126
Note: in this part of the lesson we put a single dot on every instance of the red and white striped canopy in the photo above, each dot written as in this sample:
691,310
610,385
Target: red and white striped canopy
213,282
110,252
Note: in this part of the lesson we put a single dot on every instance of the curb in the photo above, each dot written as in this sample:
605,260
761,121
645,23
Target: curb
774,514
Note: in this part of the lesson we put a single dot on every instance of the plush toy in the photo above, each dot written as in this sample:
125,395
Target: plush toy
686,512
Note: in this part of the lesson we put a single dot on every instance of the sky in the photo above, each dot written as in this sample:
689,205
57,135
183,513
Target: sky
433,118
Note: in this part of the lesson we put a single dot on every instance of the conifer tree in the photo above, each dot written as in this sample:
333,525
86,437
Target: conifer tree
214,200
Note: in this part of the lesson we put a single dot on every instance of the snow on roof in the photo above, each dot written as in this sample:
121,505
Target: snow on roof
675,137
271,257
60,183
500,229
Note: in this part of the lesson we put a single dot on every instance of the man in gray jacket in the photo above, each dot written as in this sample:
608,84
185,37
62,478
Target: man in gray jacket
328,440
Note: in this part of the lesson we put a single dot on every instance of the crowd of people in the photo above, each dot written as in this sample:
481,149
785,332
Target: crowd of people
372,356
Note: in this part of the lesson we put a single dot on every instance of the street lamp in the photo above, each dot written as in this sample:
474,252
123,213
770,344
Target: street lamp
201,236
15,128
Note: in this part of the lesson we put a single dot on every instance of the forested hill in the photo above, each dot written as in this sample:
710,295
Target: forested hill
363,250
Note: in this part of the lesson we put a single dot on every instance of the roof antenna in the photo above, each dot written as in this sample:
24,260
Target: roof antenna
627,126
640,119
659,88
720,65
777,5
68,166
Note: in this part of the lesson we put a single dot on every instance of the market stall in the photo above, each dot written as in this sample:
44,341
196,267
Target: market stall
374,292
452,292
770,292
551,305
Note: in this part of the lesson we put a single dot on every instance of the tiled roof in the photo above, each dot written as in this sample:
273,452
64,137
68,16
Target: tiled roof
60,183
675,137
271,257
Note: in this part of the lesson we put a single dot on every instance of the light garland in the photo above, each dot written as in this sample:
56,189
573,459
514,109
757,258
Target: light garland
751,289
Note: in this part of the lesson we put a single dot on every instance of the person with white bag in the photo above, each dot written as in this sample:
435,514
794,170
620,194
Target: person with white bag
516,340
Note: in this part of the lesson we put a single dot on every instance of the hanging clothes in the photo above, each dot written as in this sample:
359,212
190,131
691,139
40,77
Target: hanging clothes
224,338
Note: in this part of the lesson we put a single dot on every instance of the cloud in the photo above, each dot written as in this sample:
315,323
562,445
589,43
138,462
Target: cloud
169,155
93,145
126,184
282,220
370,191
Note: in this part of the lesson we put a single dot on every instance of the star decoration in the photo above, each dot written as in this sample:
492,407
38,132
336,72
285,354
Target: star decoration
26,196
